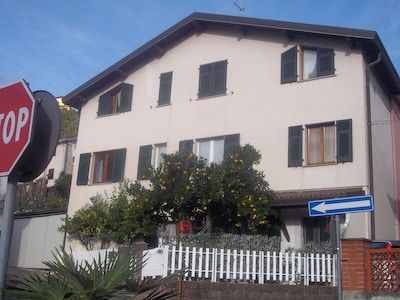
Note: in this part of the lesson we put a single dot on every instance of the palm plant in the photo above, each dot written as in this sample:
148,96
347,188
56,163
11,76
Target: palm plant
115,277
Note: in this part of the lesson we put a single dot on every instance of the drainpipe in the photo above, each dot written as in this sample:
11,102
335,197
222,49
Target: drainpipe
369,128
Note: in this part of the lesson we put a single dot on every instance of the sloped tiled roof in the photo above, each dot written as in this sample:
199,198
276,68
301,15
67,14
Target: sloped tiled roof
293,198
368,40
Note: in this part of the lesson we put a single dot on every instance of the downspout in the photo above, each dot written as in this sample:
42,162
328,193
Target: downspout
369,133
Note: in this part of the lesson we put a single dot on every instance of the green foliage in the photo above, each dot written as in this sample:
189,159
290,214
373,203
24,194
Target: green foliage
36,196
131,213
62,184
233,194
238,195
69,123
115,277
90,224
178,185
229,241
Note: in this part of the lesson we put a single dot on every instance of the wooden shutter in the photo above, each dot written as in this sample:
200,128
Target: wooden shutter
212,80
164,95
105,104
344,141
205,80
126,97
325,62
83,169
219,79
144,161
295,153
289,65
229,141
186,146
118,166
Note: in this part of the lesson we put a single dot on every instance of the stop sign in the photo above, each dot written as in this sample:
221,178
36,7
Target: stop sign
17,107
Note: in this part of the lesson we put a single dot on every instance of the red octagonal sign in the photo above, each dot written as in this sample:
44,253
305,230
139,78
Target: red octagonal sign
17,107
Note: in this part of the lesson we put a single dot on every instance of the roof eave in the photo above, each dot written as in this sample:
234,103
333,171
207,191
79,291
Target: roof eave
194,22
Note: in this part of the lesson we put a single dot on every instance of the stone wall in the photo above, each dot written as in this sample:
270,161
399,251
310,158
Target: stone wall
198,290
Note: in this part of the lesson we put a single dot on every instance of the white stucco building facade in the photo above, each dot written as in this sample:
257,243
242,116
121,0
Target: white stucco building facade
320,103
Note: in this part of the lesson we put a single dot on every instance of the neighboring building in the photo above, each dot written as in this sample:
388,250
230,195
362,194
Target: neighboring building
62,160
320,103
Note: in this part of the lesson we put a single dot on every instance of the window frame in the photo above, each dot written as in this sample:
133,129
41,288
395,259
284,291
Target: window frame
322,144
209,76
228,141
318,227
292,63
116,100
343,144
113,166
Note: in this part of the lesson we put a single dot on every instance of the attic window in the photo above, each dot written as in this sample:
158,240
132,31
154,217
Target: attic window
312,62
116,100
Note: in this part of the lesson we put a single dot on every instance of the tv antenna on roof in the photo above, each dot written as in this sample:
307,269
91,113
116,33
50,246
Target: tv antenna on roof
241,8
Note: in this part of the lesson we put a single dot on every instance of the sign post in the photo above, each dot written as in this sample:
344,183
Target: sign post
335,207
17,108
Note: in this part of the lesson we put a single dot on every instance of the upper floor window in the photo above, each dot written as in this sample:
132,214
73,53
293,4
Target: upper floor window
117,100
164,94
313,62
108,166
212,80
325,143
321,143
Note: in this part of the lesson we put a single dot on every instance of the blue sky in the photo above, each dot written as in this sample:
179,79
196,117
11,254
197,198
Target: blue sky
57,45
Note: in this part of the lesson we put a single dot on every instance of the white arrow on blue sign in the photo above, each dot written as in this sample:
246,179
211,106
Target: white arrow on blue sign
338,206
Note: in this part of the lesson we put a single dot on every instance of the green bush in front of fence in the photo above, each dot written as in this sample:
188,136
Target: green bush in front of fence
227,241
245,242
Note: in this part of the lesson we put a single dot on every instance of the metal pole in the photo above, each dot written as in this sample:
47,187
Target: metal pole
6,230
339,258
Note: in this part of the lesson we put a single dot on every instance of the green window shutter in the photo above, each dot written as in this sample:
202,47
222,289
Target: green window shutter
289,65
295,153
344,141
164,95
118,165
126,97
83,169
144,161
205,80
186,146
220,73
212,79
229,141
105,104
325,62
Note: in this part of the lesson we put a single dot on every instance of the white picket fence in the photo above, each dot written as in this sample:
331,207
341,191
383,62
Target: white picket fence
241,266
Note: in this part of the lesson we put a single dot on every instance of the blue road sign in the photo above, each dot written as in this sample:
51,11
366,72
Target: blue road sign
338,206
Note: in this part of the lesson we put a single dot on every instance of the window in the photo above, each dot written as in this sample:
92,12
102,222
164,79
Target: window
160,149
146,158
321,144
316,229
211,149
212,80
214,149
164,95
325,143
50,174
115,101
314,62
108,166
